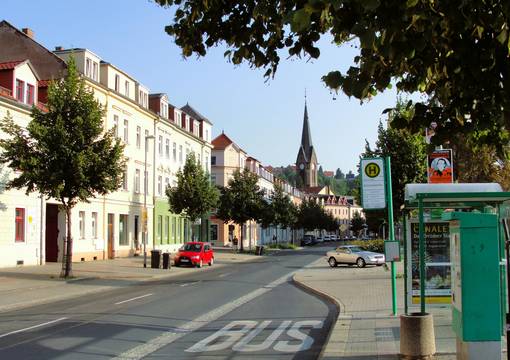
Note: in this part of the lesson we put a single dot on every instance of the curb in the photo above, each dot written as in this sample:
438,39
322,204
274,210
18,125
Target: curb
329,298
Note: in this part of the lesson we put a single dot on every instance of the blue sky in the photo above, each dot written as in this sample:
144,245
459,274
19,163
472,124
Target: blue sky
264,118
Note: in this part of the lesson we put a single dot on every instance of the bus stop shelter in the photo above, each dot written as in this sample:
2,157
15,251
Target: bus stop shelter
421,198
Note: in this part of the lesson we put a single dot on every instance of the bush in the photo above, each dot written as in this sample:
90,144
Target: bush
376,245
282,246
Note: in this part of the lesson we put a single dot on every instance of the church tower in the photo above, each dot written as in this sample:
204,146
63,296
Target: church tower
306,162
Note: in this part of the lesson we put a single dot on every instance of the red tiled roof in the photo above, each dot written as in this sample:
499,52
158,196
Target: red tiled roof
312,189
329,173
43,83
221,142
9,65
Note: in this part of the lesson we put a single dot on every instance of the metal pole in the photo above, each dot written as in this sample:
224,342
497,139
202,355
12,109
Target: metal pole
406,305
391,233
145,205
422,254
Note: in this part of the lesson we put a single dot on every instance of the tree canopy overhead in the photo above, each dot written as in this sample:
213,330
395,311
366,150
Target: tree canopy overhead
455,52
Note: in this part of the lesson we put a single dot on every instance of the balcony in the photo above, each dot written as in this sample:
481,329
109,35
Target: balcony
5,92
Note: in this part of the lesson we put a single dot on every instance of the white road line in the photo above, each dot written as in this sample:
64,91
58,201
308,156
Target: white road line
170,336
190,283
32,327
225,274
135,298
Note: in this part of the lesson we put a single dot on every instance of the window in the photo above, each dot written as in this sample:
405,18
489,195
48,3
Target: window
145,99
167,182
95,73
82,224
213,160
145,139
30,94
137,181
167,225
138,136
160,145
214,232
213,178
178,118
20,90
126,129
160,185
180,154
116,124
140,97
125,178
88,67
174,152
19,223
94,225
206,163
126,88
167,148
160,227
117,83
164,110
206,135
123,230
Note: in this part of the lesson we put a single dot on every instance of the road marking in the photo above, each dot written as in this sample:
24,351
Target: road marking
225,274
170,336
239,335
135,298
190,283
33,327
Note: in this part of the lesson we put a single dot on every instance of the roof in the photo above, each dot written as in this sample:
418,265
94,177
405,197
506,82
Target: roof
221,142
312,189
11,65
16,45
329,173
191,111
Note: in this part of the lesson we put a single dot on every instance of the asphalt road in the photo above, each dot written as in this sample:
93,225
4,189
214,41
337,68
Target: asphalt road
241,311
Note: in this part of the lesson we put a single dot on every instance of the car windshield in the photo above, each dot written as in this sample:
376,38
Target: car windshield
355,249
192,247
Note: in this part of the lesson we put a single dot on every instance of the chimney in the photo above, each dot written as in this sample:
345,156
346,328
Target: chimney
28,32
59,48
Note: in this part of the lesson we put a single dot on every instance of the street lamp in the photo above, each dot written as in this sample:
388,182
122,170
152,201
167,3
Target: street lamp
145,215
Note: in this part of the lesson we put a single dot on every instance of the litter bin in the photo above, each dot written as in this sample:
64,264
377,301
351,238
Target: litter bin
166,260
155,259
259,250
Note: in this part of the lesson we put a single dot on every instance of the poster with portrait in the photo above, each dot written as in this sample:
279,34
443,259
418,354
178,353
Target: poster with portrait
437,262
440,167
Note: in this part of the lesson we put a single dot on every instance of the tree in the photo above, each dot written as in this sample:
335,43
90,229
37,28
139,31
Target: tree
357,222
194,194
64,153
241,200
310,215
282,207
339,174
454,52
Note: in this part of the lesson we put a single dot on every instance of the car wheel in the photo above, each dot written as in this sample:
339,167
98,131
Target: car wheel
360,263
211,262
177,264
379,264
332,262
199,264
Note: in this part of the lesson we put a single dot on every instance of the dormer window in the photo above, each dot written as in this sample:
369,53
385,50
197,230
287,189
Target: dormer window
95,71
20,90
88,67
117,83
30,94
164,110
126,88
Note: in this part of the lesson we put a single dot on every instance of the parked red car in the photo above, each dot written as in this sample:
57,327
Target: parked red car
195,253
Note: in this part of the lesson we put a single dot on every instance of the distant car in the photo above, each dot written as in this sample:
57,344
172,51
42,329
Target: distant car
308,240
195,253
351,254
327,237
320,239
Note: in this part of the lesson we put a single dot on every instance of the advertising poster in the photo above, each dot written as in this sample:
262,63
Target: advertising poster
440,167
437,262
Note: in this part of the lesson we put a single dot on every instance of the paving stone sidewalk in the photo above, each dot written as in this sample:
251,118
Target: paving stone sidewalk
365,328
32,285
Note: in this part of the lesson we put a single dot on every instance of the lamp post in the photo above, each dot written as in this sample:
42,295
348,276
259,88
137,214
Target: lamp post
145,215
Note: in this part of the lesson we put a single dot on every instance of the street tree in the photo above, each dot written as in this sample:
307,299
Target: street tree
310,215
241,200
64,153
357,222
194,194
282,207
453,52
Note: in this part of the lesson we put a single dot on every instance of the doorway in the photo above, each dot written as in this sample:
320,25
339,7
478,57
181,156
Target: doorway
111,250
51,241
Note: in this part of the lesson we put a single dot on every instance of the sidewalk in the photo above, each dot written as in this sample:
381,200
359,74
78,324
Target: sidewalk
365,328
25,286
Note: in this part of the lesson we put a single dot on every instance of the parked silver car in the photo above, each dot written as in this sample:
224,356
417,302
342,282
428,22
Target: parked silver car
352,254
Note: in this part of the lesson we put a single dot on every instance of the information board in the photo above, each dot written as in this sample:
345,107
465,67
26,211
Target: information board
373,192
391,251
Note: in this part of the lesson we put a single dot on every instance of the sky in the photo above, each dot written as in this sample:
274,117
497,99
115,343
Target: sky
264,117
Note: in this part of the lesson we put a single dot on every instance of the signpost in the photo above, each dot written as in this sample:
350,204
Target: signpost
376,193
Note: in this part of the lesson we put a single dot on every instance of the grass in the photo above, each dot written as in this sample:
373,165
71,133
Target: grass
282,246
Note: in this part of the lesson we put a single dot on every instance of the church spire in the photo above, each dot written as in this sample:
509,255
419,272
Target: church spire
306,137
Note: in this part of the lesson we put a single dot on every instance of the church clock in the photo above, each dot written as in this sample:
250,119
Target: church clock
301,166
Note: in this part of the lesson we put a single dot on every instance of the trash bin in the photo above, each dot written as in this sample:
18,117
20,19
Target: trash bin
166,260
155,259
259,250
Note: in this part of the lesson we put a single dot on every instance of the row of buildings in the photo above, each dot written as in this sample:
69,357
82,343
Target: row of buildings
157,135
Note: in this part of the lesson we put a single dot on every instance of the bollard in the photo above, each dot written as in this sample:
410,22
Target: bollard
417,340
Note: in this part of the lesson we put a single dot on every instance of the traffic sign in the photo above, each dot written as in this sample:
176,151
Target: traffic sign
373,193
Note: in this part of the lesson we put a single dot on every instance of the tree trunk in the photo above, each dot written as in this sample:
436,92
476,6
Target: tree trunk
68,247
241,245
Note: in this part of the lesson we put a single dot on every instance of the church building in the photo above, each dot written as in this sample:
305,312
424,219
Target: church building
306,163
